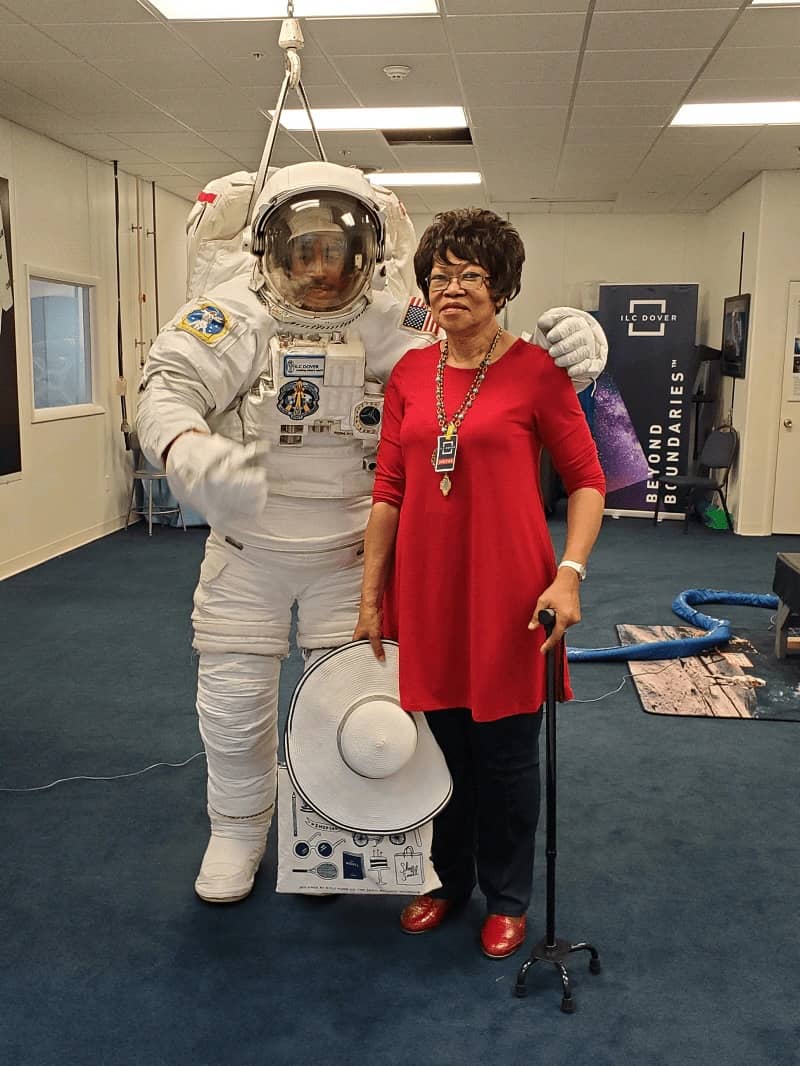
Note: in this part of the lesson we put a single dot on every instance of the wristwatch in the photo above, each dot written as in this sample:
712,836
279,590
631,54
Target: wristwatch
579,568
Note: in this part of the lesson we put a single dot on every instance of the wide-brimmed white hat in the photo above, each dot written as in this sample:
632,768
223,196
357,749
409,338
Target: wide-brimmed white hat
354,754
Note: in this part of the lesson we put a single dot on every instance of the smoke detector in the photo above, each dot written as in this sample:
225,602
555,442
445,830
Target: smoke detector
396,72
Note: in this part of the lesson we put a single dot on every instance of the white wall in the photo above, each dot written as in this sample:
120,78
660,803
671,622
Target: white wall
75,472
564,251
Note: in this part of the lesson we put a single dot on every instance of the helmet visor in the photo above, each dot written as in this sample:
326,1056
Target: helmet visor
321,251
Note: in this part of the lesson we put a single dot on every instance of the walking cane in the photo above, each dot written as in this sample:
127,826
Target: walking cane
552,948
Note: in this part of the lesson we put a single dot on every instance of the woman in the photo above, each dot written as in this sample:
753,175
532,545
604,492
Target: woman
458,560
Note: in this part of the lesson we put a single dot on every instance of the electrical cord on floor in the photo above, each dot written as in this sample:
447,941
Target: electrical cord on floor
115,777
644,673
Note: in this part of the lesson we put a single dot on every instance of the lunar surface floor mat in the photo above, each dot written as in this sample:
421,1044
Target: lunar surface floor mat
741,679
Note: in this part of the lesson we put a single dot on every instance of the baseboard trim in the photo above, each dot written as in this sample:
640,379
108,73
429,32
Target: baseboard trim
60,547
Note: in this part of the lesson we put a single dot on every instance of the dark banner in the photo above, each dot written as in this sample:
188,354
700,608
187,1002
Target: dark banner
10,455
643,399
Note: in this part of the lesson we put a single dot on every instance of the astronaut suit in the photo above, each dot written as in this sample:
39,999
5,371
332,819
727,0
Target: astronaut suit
264,399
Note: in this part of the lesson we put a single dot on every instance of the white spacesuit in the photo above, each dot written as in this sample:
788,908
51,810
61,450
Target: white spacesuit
264,397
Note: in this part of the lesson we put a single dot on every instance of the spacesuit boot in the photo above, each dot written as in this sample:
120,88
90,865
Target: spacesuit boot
232,857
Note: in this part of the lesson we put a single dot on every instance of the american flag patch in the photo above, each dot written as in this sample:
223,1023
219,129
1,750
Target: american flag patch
418,317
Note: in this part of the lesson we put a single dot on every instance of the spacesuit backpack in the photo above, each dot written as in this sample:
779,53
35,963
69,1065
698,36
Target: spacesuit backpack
218,219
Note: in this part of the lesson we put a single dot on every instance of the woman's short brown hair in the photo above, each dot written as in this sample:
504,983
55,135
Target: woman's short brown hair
476,236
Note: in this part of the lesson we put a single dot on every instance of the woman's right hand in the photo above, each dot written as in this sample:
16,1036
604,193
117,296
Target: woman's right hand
370,627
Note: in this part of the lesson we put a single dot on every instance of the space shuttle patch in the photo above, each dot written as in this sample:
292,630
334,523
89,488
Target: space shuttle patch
207,322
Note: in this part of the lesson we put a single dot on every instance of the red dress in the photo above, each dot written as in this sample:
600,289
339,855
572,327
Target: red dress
470,567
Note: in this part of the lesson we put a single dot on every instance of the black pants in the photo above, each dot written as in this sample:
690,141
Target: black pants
490,823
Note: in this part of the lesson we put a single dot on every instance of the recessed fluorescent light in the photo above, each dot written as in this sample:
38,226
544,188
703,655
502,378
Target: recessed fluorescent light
776,113
774,3
276,9
375,118
396,178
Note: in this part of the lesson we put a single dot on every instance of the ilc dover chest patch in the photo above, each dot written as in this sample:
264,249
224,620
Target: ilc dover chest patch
207,322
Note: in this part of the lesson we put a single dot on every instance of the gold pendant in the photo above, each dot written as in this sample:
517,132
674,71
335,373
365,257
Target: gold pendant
445,485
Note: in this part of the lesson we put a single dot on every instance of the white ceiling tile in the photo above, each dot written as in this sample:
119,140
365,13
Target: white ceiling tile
482,68
628,93
19,106
529,207
74,85
657,29
185,146
778,62
730,137
679,64
267,73
582,207
587,157
220,109
432,80
722,90
238,142
493,143
512,7
519,94
151,121
518,119
450,199
765,27
353,37
238,39
18,40
497,33
110,40
127,156
660,5
771,148
620,116
621,135
161,74
586,187
436,157
96,144
715,189
40,12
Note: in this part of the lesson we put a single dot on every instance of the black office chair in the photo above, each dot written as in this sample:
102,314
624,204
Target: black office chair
716,456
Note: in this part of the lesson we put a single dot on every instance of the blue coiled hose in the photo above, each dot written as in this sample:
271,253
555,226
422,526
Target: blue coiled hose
718,630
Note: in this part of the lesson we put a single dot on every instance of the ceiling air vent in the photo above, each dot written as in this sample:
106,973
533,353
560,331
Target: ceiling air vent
432,137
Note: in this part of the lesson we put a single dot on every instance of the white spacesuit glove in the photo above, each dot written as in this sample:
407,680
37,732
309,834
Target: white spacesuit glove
576,341
218,477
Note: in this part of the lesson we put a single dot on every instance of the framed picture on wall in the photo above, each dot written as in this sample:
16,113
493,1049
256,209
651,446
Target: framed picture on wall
735,323
10,454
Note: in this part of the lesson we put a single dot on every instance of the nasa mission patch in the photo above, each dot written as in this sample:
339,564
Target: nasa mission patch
207,322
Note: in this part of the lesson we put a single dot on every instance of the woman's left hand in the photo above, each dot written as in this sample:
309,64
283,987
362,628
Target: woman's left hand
370,627
562,597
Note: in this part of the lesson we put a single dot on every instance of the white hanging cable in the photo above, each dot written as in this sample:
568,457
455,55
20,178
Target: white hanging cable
114,777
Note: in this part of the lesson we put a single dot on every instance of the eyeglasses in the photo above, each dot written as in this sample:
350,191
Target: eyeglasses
467,279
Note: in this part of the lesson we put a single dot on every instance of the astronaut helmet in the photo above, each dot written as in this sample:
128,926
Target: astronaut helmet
318,235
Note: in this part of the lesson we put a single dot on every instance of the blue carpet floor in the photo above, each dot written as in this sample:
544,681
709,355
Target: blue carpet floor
679,855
